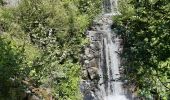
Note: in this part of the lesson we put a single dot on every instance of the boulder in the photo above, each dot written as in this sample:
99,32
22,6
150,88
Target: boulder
84,74
93,72
94,63
90,56
33,97
90,96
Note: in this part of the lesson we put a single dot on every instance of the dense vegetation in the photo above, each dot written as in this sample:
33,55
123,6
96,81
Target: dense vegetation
144,26
40,43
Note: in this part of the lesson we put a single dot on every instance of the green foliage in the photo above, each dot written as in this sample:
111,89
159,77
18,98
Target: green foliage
1,2
89,7
147,46
11,63
51,33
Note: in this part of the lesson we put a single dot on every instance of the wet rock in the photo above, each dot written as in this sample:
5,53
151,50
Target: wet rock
86,62
98,23
87,50
92,46
96,54
94,63
96,46
84,74
93,72
90,96
33,97
83,67
90,56
84,58
85,86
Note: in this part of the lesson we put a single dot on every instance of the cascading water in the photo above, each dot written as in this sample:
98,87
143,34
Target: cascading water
109,85
111,88
110,7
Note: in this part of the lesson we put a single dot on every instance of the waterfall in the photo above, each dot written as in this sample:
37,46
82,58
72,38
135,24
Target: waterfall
113,86
109,84
110,7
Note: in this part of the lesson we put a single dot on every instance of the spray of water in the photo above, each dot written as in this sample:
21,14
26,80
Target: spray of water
115,97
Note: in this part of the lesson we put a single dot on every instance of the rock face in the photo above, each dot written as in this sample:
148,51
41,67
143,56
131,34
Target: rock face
91,63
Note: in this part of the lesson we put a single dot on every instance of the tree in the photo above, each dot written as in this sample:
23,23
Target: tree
52,32
146,36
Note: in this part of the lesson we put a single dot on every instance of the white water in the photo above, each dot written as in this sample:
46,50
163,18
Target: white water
115,97
111,86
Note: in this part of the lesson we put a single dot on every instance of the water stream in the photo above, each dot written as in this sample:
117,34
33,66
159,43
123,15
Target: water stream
109,84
